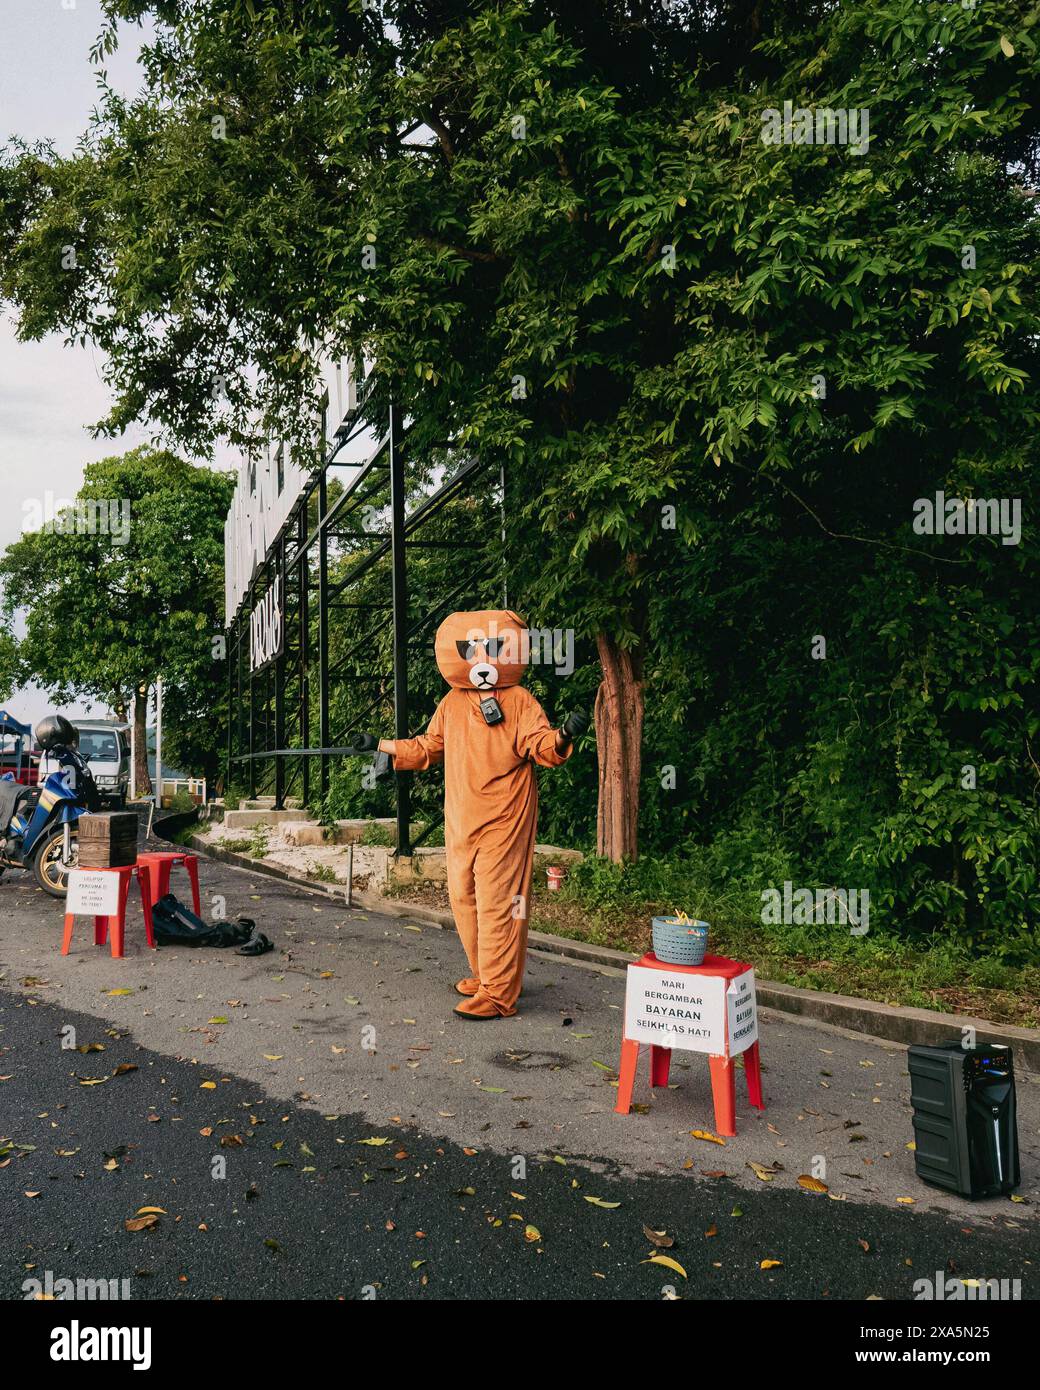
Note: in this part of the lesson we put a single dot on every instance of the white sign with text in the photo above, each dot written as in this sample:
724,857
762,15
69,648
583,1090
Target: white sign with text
673,1009
271,482
92,893
742,1013
267,628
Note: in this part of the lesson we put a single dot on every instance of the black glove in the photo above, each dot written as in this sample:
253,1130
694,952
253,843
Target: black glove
575,724
366,743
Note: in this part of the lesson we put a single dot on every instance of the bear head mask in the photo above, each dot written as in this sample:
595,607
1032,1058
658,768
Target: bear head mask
484,651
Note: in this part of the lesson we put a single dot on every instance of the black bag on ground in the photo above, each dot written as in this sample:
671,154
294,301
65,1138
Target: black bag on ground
177,925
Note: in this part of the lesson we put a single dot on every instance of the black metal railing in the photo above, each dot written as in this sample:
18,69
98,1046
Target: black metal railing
271,712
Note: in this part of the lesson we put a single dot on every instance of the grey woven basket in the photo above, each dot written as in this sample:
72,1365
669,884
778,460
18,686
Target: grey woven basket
679,943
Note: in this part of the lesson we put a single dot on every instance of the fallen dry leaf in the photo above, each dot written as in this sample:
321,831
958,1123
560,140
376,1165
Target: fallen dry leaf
766,1173
668,1262
661,1239
140,1223
812,1184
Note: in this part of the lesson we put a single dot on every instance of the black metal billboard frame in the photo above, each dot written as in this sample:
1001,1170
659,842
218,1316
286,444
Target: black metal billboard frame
270,711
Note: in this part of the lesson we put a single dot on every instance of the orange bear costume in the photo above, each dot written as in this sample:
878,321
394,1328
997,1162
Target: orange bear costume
490,796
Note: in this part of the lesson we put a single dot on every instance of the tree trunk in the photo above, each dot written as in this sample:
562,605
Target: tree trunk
142,777
619,743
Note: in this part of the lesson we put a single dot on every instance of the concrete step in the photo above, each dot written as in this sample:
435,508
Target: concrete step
247,820
427,863
431,862
344,832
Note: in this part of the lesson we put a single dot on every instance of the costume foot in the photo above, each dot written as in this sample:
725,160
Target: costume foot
467,987
482,1007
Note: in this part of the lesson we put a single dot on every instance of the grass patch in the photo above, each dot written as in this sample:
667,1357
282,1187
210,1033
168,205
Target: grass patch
377,835
609,906
183,837
233,846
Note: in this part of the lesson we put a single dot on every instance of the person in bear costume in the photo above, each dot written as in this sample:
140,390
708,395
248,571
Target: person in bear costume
490,794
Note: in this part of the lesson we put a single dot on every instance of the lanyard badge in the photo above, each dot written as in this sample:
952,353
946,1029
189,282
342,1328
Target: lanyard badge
491,710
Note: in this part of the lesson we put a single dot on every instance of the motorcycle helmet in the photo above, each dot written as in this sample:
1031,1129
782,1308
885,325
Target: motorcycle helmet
54,730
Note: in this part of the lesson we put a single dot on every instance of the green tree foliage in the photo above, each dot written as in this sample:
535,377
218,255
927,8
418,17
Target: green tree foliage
8,663
596,270
105,618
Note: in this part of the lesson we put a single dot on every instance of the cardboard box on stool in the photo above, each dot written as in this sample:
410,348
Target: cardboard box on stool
107,840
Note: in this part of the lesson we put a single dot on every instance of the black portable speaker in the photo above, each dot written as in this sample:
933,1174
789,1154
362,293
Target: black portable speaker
965,1126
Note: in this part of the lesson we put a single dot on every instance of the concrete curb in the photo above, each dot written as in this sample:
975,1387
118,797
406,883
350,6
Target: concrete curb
893,1022
899,1023
373,902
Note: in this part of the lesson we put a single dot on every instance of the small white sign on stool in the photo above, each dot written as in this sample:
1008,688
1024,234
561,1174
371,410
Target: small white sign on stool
741,1013
696,1013
92,893
673,1009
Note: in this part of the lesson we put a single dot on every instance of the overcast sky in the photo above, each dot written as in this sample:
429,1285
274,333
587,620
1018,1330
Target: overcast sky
50,394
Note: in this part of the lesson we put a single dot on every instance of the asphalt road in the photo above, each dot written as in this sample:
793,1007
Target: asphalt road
250,1134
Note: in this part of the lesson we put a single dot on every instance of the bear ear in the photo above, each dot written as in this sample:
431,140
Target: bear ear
515,617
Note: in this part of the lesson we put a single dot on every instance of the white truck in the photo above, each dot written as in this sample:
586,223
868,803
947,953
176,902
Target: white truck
104,744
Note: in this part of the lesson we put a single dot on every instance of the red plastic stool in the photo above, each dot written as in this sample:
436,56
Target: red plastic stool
723,1084
161,865
117,923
